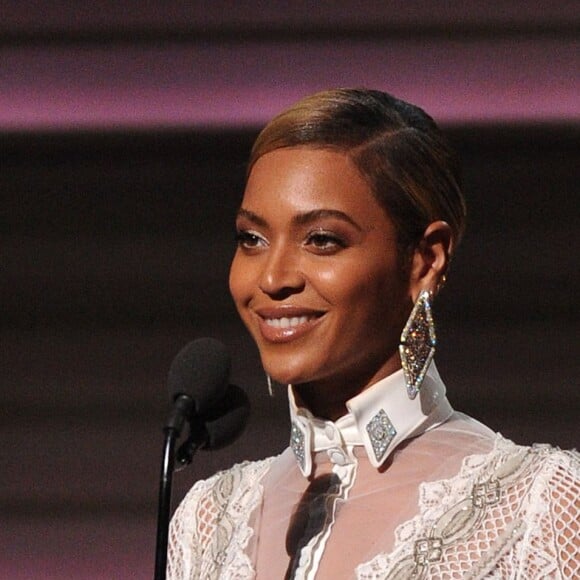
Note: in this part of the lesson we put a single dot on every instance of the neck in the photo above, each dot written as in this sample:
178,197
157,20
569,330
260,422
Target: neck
327,399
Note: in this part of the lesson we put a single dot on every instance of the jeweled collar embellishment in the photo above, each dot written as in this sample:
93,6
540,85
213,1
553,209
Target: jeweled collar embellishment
381,433
297,445
378,419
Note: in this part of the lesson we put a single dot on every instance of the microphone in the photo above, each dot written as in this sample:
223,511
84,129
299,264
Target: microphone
199,385
201,370
216,411
197,380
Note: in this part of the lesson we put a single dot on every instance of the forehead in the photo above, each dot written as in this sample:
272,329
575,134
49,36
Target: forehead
304,179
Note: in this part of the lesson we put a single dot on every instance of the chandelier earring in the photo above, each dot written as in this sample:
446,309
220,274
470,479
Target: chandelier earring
417,344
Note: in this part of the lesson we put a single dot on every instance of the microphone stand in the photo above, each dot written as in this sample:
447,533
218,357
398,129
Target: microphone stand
165,482
182,408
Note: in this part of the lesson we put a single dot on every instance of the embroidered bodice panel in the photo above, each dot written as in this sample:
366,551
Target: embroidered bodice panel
513,513
509,512
210,529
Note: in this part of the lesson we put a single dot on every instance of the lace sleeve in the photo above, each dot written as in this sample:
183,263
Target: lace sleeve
552,543
190,529
210,528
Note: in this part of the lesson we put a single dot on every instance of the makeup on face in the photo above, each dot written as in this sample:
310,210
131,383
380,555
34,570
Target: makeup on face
316,276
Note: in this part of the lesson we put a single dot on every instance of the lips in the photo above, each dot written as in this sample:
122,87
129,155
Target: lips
286,324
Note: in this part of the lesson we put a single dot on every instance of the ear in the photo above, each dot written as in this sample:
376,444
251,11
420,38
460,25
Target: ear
431,258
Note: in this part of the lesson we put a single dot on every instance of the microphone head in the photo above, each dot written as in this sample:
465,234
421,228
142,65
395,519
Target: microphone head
201,371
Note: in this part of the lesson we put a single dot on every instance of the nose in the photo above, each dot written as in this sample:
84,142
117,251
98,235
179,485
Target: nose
281,275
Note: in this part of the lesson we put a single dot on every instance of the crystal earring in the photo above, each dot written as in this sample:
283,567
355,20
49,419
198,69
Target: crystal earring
418,343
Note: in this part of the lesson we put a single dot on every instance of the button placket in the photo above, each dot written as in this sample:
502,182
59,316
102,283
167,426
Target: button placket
337,456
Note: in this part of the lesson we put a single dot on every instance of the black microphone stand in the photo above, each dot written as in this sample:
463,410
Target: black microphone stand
182,409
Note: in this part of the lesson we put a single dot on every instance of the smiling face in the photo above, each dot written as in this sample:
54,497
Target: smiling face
316,276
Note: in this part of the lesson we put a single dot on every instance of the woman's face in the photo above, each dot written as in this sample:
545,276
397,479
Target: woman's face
316,277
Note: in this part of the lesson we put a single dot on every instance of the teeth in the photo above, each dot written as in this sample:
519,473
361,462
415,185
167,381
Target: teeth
287,322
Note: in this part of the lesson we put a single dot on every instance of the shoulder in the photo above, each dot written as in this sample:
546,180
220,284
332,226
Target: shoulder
550,514
543,464
559,467
530,496
490,455
554,480
506,473
556,458
534,470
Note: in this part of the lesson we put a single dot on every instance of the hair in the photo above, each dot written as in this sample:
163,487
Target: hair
410,167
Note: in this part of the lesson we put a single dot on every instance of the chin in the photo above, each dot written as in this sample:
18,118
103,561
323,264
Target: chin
286,371
285,377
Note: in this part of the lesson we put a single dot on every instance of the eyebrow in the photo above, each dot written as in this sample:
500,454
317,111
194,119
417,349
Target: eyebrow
302,218
253,217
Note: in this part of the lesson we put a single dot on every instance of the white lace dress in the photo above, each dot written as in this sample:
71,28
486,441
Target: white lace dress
454,501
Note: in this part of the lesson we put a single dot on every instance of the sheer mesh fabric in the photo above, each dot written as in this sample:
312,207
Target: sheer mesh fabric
559,520
456,502
565,499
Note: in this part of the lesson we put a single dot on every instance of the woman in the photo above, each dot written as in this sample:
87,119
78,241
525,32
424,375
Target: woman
351,213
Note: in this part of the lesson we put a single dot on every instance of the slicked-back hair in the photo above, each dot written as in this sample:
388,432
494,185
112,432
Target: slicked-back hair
399,150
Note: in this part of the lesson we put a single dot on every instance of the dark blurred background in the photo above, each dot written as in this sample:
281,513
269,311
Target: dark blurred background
124,131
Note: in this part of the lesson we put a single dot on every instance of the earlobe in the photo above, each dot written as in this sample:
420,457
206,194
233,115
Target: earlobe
431,258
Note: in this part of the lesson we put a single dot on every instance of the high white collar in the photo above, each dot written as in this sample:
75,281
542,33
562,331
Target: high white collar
379,418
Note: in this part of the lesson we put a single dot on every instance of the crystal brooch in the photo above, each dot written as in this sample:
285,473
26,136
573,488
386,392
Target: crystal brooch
381,433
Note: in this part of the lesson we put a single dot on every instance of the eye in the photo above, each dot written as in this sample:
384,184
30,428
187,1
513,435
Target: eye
325,242
249,240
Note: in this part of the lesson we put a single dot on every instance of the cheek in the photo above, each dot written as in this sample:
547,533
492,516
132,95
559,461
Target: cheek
372,287
327,278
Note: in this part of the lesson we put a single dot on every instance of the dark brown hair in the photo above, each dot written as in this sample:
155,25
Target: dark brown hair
396,146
